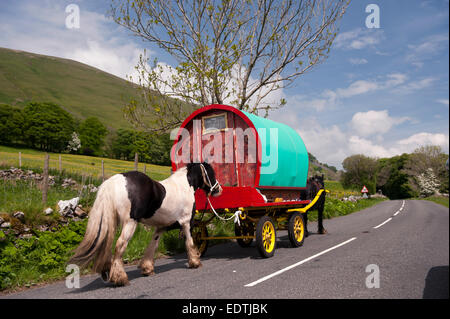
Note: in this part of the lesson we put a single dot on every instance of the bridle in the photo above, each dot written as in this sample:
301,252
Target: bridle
207,181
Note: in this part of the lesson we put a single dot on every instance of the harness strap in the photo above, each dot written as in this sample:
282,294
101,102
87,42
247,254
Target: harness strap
235,215
207,180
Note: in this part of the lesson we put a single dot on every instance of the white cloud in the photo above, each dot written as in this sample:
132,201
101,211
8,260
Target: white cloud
374,122
443,101
357,88
424,138
358,145
358,61
414,86
395,79
358,39
328,144
330,98
427,49
332,144
430,45
119,60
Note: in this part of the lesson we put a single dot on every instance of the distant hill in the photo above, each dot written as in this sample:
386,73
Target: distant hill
80,89
317,168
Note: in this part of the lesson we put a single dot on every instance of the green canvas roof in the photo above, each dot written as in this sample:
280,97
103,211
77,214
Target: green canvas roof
283,154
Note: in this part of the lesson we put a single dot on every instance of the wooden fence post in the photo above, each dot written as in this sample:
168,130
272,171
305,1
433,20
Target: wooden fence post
136,161
145,169
45,182
20,159
60,164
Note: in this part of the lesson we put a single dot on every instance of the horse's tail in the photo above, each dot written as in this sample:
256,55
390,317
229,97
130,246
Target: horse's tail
98,239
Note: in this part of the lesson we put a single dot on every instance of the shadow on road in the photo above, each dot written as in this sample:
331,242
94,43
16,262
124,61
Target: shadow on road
132,275
227,251
436,283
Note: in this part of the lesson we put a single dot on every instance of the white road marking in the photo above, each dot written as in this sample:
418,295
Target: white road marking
400,209
387,220
297,264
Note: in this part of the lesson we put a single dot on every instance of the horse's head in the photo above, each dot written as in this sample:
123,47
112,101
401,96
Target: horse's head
319,179
202,175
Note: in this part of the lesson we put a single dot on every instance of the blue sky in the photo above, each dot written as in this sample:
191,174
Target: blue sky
381,92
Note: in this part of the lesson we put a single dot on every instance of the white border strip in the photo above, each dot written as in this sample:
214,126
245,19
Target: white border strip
297,264
387,220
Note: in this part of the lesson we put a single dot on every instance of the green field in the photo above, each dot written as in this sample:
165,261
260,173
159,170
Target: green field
81,90
77,164
338,191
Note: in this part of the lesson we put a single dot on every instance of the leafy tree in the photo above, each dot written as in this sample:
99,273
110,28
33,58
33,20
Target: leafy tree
10,124
92,133
123,144
47,126
359,170
151,148
230,51
392,179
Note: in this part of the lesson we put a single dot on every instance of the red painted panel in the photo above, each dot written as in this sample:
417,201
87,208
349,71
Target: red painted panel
235,197
231,197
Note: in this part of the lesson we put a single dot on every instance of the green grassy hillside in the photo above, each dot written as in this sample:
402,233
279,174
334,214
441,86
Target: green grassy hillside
80,89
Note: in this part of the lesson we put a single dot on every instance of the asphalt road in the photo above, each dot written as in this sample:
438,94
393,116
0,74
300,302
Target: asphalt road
407,241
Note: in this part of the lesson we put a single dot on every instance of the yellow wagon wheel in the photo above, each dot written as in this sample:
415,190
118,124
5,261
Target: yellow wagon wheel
266,237
199,232
296,229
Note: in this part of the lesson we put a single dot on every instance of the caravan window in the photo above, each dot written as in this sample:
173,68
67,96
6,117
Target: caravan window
217,122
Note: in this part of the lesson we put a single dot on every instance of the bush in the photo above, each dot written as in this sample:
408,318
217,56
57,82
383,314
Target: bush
41,257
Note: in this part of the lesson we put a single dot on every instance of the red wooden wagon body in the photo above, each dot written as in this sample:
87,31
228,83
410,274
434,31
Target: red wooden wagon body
237,145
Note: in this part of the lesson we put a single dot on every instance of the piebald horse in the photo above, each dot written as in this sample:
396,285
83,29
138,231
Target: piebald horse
128,198
313,185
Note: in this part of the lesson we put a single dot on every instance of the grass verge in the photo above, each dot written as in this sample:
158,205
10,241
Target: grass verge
441,200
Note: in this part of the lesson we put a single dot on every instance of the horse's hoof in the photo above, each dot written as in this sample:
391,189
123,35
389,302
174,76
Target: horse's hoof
145,272
120,280
105,276
306,233
194,265
121,283
323,231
